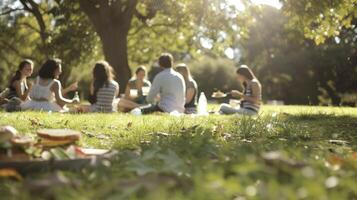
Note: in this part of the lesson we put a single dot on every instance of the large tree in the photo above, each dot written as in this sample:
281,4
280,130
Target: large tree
113,19
40,30
143,28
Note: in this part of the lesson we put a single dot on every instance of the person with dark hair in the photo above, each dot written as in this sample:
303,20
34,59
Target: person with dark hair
46,93
104,89
18,86
155,70
250,98
191,88
48,71
168,89
166,60
138,84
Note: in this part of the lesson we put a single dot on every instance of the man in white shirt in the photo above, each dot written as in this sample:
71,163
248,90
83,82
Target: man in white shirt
169,87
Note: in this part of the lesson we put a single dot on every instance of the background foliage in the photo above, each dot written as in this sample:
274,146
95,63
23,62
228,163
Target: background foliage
303,53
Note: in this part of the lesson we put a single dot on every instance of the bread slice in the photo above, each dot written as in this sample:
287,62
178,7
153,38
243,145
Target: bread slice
55,143
59,134
23,141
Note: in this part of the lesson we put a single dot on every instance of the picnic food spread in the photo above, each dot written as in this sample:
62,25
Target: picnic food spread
218,94
17,151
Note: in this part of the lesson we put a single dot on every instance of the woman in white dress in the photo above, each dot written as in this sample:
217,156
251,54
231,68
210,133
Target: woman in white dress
46,93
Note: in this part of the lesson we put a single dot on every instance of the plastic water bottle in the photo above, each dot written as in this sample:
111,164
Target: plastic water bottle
76,97
202,105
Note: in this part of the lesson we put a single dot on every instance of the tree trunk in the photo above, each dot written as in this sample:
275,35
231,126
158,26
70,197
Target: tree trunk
114,43
112,21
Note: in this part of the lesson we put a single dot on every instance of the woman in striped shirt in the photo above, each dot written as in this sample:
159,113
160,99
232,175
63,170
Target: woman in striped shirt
103,90
251,96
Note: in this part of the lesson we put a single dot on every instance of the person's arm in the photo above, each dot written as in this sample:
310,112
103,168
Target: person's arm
22,95
70,88
154,90
236,93
127,92
91,98
60,100
254,98
190,93
116,90
91,89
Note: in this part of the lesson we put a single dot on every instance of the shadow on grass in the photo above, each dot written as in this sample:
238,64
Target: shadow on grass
321,116
331,126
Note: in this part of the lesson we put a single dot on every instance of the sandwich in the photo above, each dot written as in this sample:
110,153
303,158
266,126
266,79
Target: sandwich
57,137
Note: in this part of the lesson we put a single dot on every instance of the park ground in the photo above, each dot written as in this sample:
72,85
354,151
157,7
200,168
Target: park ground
287,152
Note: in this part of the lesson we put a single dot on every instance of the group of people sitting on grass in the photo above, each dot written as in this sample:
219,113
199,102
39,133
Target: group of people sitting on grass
172,90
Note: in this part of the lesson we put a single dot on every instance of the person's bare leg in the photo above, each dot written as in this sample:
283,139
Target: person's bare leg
125,105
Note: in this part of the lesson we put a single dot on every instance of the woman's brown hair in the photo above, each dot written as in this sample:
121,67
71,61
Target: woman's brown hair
102,75
245,71
140,68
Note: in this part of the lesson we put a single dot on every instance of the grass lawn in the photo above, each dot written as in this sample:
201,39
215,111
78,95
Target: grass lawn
288,152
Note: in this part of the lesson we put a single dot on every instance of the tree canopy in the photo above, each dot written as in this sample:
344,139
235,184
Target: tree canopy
131,32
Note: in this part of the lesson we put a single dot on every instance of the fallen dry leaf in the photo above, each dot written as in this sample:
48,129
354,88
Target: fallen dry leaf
129,125
335,160
35,122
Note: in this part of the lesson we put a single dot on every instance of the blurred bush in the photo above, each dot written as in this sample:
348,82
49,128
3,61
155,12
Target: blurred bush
212,74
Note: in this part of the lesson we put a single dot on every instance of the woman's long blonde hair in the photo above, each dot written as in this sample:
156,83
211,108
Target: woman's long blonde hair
184,71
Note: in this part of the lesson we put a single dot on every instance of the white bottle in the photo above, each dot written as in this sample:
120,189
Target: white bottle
202,105
76,97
